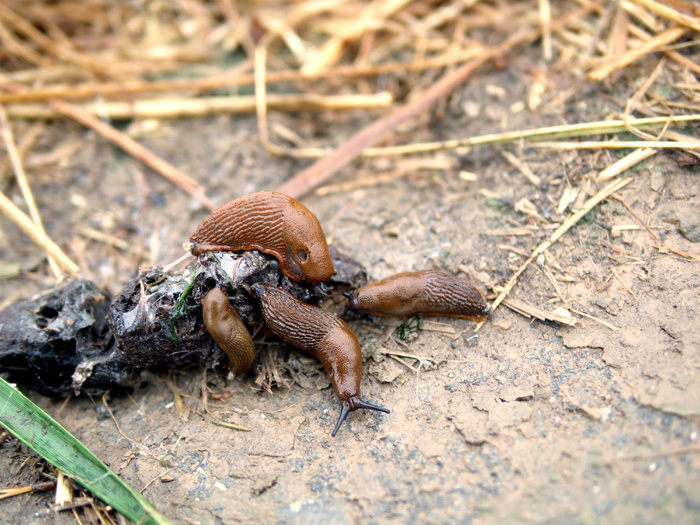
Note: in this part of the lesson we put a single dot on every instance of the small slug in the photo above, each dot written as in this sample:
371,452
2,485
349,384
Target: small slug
273,223
323,335
226,328
428,292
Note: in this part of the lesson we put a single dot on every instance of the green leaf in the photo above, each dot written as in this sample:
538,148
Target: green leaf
36,429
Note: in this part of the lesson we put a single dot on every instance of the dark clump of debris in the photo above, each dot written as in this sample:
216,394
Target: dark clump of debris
73,338
44,340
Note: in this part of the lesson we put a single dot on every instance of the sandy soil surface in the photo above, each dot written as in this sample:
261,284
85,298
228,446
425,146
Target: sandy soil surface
529,422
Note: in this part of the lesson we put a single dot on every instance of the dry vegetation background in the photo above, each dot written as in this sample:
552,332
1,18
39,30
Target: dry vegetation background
546,150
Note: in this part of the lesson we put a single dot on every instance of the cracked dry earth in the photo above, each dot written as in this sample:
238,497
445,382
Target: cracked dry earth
531,422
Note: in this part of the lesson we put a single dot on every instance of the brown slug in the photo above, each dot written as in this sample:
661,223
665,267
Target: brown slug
428,292
226,328
322,334
273,223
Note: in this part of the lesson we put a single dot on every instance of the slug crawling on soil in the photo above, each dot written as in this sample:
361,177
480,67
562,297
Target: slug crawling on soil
226,328
322,334
273,223
428,292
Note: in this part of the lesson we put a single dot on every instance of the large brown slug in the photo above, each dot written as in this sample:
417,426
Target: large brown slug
428,292
273,223
322,334
227,329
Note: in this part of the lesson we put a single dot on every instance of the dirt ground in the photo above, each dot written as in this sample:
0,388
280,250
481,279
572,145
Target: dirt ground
530,422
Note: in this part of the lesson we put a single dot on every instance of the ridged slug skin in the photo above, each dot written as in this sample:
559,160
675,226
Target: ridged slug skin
322,334
427,292
273,223
227,329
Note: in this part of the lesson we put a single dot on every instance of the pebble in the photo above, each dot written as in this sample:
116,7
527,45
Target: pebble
687,217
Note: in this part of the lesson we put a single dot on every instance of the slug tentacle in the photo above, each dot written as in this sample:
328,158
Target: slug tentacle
322,334
226,328
353,404
428,292
273,223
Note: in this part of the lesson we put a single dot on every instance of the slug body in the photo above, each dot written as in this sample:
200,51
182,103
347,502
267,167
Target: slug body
273,223
227,329
428,292
322,334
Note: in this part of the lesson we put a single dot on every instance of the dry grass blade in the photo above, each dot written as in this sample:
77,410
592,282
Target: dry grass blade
172,108
232,426
22,181
603,127
670,13
625,163
616,144
534,312
37,487
654,44
522,168
38,236
261,99
682,253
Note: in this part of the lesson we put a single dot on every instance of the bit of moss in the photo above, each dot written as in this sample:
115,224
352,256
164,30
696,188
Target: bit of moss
180,307
409,326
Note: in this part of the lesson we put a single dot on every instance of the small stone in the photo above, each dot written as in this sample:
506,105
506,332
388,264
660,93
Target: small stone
502,324
657,181
386,371
687,217
606,303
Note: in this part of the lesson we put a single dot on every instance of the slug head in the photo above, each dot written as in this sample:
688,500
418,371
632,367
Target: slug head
306,245
258,289
354,303
399,294
352,404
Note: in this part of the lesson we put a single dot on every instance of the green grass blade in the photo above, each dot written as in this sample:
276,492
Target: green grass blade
36,429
